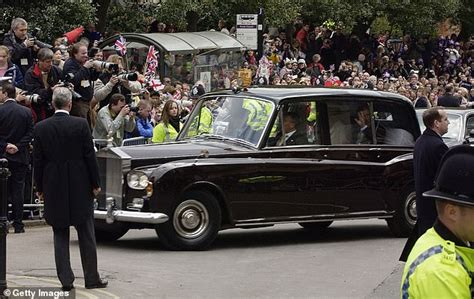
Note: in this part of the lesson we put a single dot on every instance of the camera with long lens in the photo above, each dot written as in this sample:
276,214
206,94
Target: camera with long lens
37,42
32,97
67,83
102,65
128,76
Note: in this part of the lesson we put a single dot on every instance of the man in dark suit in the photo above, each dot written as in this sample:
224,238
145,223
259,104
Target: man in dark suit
449,99
290,135
67,177
429,149
16,130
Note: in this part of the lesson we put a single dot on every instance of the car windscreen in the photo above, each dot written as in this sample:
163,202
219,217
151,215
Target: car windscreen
234,118
454,128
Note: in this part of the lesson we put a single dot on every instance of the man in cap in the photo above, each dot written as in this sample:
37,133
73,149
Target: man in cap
441,264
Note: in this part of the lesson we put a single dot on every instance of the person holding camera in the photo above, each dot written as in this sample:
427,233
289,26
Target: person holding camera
113,80
39,82
81,74
114,120
22,48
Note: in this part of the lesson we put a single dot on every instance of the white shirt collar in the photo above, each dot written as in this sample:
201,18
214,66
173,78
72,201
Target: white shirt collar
288,135
9,99
61,111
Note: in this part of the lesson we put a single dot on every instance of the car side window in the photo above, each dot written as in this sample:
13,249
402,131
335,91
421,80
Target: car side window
367,122
350,122
469,125
295,125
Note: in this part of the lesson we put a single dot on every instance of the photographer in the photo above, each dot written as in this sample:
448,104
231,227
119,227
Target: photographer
39,82
112,81
114,120
81,73
22,48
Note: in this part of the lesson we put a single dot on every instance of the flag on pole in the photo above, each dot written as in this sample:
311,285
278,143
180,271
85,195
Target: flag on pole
120,46
151,60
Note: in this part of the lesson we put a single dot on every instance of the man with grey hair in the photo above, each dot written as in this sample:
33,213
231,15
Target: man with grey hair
67,179
40,80
22,49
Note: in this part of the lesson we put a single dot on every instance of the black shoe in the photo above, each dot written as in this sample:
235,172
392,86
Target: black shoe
99,285
19,230
67,288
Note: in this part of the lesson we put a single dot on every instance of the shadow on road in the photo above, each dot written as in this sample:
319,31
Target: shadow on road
265,237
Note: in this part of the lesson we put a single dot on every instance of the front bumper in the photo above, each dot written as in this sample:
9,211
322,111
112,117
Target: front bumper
111,215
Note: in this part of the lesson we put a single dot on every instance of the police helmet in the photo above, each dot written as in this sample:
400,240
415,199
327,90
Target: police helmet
455,177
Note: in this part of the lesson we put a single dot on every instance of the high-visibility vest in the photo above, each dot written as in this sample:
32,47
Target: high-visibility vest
437,268
258,113
162,133
205,123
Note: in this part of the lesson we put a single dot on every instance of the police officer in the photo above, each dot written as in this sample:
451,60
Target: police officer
441,264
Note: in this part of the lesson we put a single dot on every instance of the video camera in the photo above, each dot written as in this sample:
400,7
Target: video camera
40,44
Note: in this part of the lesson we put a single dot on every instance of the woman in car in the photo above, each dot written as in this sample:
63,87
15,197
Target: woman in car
169,126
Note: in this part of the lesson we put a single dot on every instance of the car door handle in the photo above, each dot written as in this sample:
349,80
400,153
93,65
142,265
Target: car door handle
375,149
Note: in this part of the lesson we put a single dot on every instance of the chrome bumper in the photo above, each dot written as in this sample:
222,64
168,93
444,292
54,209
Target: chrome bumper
111,215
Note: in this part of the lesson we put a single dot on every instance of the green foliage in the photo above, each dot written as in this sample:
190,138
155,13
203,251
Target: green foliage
130,17
54,17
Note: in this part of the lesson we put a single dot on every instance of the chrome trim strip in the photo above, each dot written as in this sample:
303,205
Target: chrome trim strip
128,216
317,218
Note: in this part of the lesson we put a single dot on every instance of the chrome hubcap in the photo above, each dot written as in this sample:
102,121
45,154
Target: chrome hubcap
190,219
410,208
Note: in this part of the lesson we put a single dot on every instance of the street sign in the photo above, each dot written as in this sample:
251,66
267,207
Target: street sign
247,30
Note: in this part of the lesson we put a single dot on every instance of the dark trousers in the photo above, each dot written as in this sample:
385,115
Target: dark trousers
87,247
16,192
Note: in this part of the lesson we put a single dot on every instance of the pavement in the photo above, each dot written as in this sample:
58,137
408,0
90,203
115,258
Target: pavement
353,260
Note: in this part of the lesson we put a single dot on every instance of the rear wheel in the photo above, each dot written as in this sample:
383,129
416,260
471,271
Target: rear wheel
105,232
404,219
315,225
194,223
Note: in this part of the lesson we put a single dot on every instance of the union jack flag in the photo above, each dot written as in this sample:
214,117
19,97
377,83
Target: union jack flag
120,46
151,60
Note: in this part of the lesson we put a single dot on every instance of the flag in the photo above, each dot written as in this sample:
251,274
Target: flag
155,84
120,46
151,61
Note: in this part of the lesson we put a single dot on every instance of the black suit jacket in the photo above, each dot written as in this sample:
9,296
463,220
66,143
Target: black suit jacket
429,149
66,169
449,100
16,127
296,138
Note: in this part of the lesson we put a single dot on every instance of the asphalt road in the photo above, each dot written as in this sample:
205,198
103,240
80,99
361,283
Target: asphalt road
352,259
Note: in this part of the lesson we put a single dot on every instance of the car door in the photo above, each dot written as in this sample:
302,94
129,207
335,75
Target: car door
297,181
361,166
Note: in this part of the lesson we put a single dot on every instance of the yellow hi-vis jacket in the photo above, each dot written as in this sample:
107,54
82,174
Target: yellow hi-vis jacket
162,133
437,268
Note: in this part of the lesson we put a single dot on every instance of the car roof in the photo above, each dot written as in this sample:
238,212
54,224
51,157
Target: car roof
278,93
450,110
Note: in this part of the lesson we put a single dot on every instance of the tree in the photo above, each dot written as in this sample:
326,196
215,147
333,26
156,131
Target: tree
54,17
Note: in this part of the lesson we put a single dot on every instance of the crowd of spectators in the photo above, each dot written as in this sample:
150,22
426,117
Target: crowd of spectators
428,71
422,69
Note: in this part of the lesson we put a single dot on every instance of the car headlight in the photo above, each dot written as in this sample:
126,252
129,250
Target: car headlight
137,180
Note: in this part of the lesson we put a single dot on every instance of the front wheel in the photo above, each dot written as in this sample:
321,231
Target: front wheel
404,219
194,222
